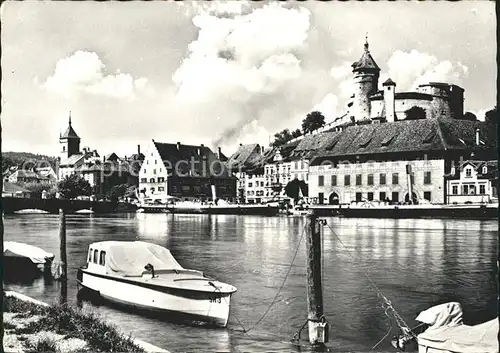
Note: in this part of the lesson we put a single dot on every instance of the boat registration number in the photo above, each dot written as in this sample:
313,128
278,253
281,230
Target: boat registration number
215,300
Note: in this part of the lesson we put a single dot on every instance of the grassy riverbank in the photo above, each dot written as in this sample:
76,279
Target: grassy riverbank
30,327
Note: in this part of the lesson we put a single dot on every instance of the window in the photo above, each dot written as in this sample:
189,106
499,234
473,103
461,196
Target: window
395,197
427,177
161,179
472,189
454,189
485,170
147,161
102,258
358,179
321,198
465,189
321,180
152,190
427,195
250,185
156,161
64,148
370,179
95,256
161,188
482,189
370,196
334,180
144,180
90,255
468,172
382,178
347,180
395,178
359,197
381,196
152,180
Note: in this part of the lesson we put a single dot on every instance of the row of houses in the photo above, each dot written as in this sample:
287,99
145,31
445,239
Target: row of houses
440,161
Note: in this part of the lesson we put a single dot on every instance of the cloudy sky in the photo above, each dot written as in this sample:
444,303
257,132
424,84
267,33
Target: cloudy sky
220,73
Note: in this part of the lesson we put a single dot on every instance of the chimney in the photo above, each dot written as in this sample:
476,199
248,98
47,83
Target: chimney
178,146
477,137
219,153
139,149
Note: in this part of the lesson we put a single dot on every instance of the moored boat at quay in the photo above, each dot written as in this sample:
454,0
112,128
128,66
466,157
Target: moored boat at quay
373,209
146,276
221,207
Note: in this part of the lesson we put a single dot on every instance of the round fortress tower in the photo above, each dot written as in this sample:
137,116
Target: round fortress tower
366,73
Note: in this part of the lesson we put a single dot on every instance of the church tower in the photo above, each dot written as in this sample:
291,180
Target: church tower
69,141
365,76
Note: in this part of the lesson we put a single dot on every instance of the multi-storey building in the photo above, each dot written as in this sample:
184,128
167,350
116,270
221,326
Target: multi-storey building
184,171
404,161
473,182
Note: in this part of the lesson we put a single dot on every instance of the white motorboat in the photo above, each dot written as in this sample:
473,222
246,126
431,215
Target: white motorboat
146,276
22,259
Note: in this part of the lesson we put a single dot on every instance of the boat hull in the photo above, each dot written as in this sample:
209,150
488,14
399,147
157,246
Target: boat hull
257,210
207,307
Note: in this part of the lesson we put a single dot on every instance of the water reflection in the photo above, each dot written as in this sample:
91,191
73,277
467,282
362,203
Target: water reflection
416,263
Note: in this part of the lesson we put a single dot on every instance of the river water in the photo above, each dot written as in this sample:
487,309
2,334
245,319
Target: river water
416,263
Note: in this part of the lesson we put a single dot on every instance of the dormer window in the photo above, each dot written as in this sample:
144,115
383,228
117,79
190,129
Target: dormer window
485,170
468,172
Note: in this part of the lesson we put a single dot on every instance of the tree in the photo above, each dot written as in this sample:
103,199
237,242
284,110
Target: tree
313,121
469,116
73,186
293,187
281,138
117,191
36,189
415,113
296,133
491,116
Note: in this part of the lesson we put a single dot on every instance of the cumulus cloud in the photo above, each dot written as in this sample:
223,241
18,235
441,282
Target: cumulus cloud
84,73
244,67
410,69
328,106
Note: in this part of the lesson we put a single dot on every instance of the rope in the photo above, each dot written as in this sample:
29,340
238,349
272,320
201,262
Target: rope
388,305
282,284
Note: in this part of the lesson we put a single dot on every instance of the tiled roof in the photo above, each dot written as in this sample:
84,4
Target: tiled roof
12,188
187,153
409,136
72,160
70,133
365,62
22,173
312,143
389,82
244,156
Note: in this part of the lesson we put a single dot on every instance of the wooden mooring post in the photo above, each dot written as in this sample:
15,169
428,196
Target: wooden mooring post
317,325
63,298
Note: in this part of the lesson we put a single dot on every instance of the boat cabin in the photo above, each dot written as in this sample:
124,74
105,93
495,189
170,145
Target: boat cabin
96,258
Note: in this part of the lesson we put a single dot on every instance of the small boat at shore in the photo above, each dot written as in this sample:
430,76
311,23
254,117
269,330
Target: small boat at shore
31,211
24,260
146,276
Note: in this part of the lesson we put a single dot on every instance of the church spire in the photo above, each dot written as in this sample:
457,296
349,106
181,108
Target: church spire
70,118
366,42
